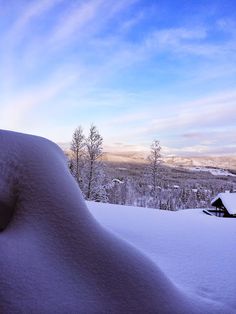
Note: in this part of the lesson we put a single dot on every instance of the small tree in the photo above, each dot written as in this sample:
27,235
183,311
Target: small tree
77,148
93,153
154,160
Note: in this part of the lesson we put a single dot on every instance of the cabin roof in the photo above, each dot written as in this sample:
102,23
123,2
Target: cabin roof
228,200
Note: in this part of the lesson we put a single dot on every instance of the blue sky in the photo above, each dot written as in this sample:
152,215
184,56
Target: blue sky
137,69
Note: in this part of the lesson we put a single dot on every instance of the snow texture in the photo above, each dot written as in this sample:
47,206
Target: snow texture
228,200
194,250
213,171
56,258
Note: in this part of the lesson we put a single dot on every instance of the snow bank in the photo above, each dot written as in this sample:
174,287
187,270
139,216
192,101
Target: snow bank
195,251
56,258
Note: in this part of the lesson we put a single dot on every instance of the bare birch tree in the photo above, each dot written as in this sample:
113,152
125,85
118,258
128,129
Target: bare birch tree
154,160
94,143
77,148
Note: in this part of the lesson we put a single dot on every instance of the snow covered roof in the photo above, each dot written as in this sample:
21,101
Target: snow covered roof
117,181
228,200
176,186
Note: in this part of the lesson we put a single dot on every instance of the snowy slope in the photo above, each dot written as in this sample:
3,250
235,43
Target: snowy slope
56,258
213,171
193,249
223,162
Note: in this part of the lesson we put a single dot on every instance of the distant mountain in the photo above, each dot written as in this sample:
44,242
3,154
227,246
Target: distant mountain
127,157
223,162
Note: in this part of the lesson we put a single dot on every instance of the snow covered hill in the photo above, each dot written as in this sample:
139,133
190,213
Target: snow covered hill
56,258
196,251
221,162
213,171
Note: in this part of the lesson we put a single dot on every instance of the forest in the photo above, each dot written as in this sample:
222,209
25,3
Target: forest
152,184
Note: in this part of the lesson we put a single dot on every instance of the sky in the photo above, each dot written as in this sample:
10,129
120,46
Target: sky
138,69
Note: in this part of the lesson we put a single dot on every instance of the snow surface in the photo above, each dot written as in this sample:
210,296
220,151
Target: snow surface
213,171
196,251
56,258
229,201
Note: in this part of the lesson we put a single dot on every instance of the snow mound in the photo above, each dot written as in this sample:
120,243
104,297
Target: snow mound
56,258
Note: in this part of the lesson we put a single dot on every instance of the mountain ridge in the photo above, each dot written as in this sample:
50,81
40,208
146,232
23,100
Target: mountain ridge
225,162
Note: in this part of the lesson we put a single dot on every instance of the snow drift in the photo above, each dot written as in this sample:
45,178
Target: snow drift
195,251
56,258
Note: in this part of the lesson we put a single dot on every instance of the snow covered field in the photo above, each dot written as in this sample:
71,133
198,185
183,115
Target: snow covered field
196,251
213,171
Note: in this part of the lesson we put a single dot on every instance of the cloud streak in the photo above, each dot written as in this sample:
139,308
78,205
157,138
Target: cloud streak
113,63
16,108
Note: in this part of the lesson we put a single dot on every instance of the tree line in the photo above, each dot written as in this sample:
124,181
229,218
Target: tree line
151,186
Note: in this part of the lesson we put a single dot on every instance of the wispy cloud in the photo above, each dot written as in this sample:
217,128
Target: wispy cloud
203,118
209,111
113,63
201,150
76,20
17,106
31,12
175,36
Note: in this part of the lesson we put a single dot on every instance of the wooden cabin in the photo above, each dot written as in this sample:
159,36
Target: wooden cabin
225,205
